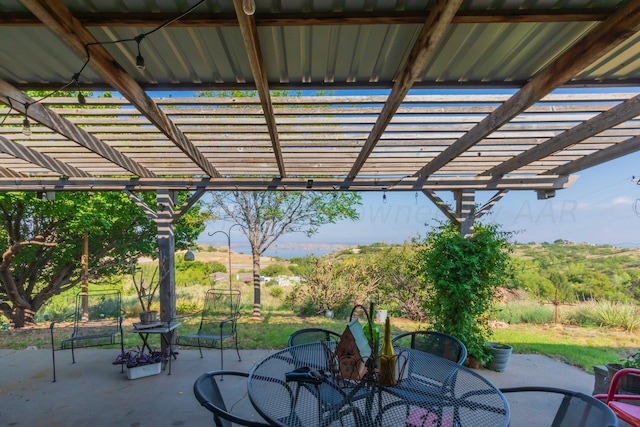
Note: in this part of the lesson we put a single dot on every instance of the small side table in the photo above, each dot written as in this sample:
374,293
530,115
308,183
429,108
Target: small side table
156,328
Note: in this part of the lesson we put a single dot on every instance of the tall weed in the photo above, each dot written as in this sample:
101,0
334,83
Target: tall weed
609,314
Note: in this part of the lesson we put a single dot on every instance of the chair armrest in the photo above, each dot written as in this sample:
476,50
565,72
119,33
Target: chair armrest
184,316
613,387
229,320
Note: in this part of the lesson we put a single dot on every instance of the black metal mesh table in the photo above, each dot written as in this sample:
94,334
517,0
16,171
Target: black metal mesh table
431,391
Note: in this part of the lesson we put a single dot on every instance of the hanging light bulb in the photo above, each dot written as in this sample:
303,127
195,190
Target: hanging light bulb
139,58
384,197
81,99
140,62
249,6
26,127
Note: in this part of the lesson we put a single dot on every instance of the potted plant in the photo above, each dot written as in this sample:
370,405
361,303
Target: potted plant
146,285
629,383
500,355
463,274
140,363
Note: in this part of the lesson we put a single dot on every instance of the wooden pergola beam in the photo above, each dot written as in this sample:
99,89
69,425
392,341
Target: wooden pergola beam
621,25
484,209
119,19
434,27
64,127
29,155
57,18
620,149
189,203
603,121
452,183
254,53
8,173
442,205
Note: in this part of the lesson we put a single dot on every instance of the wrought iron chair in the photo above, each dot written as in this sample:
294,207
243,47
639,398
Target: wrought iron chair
431,342
574,409
309,335
620,401
208,393
218,322
329,395
438,343
97,321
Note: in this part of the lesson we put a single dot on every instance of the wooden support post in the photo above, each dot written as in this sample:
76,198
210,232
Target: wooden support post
465,210
166,256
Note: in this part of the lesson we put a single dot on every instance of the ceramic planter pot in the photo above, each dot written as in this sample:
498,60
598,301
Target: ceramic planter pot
473,363
501,355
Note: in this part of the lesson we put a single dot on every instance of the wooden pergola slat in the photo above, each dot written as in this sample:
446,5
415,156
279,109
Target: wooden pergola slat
56,17
606,36
252,46
434,27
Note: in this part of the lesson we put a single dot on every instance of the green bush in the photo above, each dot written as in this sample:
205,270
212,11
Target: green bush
275,270
465,272
276,291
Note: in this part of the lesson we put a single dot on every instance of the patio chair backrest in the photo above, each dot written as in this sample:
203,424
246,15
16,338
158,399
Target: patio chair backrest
311,335
438,343
97,321
220,305
573,409
96,317
210,396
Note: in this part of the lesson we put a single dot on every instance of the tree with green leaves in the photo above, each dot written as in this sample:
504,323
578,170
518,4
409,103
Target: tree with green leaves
42,243
266,215
465,273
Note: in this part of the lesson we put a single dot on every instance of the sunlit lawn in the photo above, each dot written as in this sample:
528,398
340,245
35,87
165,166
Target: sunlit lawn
579,346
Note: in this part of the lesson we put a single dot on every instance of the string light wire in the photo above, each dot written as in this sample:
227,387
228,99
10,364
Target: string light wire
76,77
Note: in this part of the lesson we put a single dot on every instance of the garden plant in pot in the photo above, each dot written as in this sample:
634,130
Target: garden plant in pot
146,282
140,363
500,355
629,384
463,274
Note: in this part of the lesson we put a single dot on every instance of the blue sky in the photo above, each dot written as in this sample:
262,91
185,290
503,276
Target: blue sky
601,207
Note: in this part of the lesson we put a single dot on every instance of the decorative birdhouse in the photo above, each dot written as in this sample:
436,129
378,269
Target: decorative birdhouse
352,352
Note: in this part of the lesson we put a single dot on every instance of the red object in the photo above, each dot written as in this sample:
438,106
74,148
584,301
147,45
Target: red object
627,412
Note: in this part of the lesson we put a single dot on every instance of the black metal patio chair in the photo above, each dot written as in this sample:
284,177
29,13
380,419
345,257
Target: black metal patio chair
210,396
572,408
438,343
97,321
309,335
218,322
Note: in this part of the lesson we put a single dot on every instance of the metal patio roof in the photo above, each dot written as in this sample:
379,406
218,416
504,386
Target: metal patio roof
422,95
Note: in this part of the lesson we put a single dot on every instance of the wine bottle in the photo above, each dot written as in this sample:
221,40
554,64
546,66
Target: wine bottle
374,341
387,358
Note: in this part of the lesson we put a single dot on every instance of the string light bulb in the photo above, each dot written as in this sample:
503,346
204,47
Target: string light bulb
384,197
26,127
249,7
81,99
139,58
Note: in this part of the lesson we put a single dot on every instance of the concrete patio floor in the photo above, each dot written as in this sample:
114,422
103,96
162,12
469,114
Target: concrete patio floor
93,392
